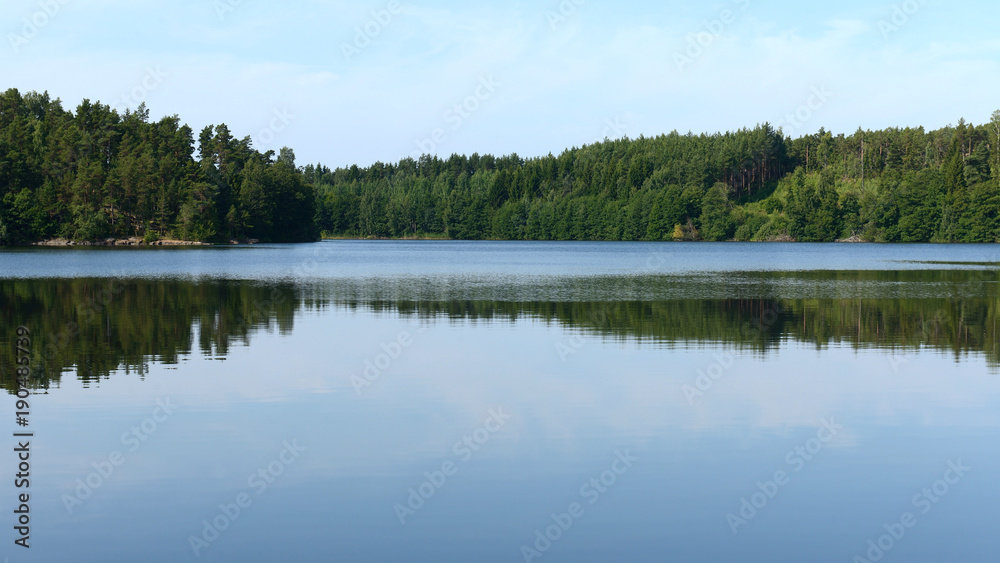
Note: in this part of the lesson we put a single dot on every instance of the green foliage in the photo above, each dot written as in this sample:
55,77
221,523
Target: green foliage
813,211
773,204
776,227
616,190
94,174
750,227
747,185
716,217
983,218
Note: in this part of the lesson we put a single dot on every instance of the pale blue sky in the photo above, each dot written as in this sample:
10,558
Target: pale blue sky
279,72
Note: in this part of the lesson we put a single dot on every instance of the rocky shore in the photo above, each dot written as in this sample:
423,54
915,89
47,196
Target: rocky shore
134,241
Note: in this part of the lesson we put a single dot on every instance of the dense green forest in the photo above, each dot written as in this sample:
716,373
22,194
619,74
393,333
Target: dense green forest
95,174
905,185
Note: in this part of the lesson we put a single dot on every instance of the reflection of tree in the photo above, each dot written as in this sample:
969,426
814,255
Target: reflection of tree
961,326
95,326
92,327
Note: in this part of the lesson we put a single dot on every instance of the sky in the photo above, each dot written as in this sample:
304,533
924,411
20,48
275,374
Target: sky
347,83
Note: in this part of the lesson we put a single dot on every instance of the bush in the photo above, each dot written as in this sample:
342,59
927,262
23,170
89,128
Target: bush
750,227
776,226
773,204
90,225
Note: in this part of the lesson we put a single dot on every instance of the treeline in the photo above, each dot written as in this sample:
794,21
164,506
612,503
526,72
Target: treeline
905,185
95,174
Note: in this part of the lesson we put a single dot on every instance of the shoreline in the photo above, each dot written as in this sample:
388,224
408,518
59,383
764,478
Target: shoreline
140,243
131,242
781,239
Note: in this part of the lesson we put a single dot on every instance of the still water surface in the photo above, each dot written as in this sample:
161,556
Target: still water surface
444,401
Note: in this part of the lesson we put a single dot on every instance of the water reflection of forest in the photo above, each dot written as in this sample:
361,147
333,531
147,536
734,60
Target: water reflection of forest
92,327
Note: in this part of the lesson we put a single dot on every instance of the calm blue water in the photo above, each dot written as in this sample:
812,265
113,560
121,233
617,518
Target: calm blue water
491,261
602,394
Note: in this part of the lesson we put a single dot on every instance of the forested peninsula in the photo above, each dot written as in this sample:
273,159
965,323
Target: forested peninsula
95,174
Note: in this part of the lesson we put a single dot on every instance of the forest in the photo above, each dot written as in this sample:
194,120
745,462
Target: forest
93,174
894,185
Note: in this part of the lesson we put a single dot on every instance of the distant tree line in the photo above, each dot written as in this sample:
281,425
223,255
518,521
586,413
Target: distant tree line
95,174
905,185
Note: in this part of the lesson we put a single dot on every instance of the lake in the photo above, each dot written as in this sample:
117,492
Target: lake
443,401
